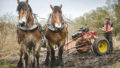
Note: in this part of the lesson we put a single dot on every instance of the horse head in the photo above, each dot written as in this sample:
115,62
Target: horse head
24,12
56,19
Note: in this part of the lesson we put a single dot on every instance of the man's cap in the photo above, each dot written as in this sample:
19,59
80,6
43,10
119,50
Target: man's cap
107,18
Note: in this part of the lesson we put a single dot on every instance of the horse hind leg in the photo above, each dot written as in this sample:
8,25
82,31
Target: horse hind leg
20,63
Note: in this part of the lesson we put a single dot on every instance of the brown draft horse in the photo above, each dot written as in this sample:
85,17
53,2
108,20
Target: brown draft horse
29,36
56,36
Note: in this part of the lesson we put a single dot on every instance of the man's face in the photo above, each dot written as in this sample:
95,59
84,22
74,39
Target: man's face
107,20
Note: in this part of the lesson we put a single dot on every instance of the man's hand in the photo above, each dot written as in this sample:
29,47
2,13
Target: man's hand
103,29
108,31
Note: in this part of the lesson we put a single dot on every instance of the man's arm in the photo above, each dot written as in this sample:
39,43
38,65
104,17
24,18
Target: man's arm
111,27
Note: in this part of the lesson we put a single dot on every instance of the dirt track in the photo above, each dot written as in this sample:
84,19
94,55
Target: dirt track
89,60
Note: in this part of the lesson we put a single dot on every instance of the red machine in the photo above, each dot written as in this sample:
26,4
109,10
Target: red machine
99,46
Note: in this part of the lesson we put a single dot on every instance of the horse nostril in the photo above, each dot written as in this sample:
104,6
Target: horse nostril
22,24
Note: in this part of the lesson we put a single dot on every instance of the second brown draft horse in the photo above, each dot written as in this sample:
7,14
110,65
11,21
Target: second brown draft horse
56,32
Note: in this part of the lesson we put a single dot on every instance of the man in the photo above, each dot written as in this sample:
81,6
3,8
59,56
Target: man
108,28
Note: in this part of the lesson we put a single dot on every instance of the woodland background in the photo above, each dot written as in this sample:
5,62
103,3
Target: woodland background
93,20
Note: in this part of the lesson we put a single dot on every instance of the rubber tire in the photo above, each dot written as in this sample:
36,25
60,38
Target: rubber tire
95,47
80,51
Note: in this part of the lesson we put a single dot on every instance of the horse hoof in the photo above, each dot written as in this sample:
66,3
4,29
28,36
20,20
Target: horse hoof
46,63
38,66
20,64
53,64
60,63
33,65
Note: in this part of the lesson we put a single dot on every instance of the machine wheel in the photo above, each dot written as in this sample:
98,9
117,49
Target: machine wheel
101,46
83,50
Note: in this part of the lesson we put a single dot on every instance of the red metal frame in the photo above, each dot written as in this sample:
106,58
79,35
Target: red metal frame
88,34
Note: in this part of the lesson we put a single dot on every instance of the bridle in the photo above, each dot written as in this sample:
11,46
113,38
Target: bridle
62,21
52,17
27,10
36,24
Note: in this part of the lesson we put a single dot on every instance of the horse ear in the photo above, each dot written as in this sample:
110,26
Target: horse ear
51,7
60,6
27,2
18,1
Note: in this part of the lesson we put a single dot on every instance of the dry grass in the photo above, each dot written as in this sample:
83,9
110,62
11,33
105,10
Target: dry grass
8,42
10,49
116,43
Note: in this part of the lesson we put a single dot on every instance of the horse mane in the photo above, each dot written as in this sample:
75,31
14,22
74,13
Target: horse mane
57,9
24,6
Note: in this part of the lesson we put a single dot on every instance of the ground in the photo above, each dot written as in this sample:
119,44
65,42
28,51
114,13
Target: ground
9,56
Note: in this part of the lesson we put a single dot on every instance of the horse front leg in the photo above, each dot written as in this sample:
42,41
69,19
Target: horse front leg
26,60
53,59
47,56
25,52
60,53
37,54
60,60
20,63
33,59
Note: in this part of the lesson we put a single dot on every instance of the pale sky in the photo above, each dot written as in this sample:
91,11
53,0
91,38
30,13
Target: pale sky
72,8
